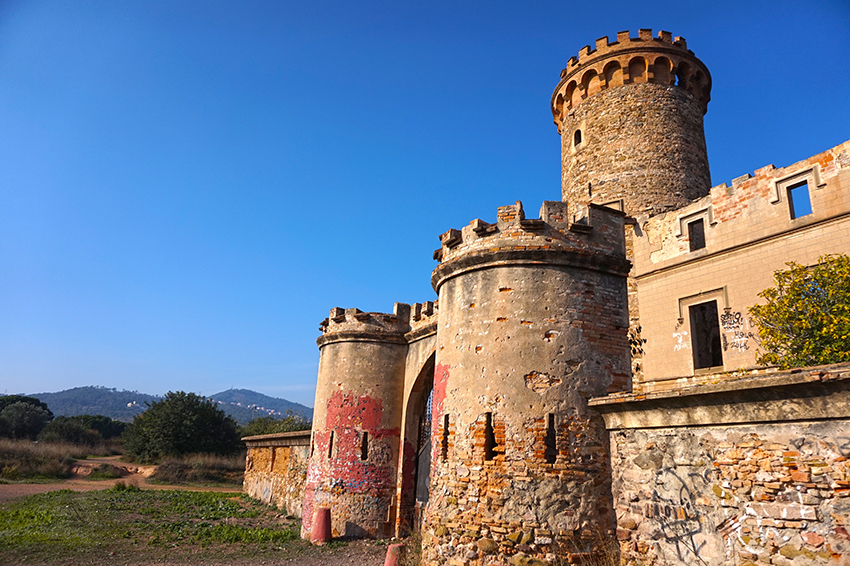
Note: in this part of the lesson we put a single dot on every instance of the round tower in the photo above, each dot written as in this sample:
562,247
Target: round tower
356,419
630,116
532,323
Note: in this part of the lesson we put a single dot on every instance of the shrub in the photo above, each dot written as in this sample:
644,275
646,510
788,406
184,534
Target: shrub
806,321
270,425
182,423
68,429
23,420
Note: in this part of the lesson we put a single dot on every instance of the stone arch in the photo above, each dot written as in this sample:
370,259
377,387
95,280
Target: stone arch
613,74
683,72
416,406
572,94
591,82
661,71
637,70
559,106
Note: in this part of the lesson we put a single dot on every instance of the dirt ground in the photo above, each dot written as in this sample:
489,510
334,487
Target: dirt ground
352,553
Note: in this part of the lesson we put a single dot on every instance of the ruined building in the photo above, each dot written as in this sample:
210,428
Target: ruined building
588,376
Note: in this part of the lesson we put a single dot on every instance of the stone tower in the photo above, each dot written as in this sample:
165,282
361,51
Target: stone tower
532,323
354,451
630,116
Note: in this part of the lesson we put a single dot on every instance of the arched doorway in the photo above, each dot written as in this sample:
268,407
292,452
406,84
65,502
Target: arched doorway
416,463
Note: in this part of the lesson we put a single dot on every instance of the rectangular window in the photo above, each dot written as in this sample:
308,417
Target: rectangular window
551,452
705,335
444,441
331,446
489,437
798,199
364,446
696,234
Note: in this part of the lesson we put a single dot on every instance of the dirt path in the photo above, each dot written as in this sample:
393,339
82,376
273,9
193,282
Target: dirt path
135,474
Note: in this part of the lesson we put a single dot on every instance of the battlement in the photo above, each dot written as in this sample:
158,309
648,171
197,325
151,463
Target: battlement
580,230
354,322
631,60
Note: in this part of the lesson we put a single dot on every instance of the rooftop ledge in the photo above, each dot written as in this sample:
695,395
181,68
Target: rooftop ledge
812,393
295,438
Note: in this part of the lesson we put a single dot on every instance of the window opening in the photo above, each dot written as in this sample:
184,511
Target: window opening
489,437
364,446
798,198
577,138
312,444
444,442
331,446
705,335
551,452
696,234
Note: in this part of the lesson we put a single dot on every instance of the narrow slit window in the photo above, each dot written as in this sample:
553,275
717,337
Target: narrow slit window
312,444
705,335
364,446
551,452
444,441
577,138
696,235
799,200
331,446
489,437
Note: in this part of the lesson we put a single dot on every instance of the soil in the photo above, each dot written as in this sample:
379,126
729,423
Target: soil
135,474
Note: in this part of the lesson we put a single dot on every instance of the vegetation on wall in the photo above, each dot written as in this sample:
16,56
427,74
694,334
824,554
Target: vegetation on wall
182,423
270,425
806,321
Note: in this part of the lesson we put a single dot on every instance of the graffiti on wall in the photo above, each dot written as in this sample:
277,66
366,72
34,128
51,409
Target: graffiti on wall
736,331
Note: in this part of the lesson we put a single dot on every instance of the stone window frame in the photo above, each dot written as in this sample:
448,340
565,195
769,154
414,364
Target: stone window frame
582,127
779,187
721,296
706,214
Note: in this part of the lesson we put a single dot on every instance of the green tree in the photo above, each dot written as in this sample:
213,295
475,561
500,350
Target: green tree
806,321
69,429
180,424
271,425
6,400
23,420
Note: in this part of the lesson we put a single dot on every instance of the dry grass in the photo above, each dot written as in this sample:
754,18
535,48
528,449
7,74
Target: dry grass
25,459
201,469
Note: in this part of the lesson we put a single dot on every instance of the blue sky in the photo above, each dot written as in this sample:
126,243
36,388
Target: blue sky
186,188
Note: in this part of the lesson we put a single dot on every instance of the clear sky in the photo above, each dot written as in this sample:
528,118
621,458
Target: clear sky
186,188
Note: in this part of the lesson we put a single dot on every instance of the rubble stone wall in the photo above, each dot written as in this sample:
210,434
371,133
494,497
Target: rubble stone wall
276,470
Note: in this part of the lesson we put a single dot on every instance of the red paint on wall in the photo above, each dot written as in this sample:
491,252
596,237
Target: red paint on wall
441,380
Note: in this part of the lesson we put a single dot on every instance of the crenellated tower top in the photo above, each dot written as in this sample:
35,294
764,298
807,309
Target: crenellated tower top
630,60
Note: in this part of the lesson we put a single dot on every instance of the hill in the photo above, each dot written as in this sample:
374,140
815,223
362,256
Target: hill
95,400
241,404
249,404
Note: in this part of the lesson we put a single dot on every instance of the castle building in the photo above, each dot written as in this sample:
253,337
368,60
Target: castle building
586,382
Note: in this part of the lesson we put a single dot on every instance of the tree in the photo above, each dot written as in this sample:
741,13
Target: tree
6,400
182,423
270,425
70,429
23,420
806,321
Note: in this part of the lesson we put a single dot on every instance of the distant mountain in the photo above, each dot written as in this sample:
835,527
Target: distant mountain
244,405
91,400
241,404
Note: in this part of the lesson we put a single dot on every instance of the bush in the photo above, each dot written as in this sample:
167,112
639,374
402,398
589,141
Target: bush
23,420
20,459
806,321
68,429
201,468
270,425
182,423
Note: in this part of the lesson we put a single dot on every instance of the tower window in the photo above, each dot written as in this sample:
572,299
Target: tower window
364,446
798,198
705,335
331,446
489,437
696,234
551,452
577,138
444,441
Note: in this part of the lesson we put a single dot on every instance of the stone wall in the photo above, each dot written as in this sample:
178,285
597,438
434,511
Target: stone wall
276,469
745,472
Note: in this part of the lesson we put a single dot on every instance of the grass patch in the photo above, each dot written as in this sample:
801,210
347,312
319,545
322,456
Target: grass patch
104,472
28,460
141,526
203,469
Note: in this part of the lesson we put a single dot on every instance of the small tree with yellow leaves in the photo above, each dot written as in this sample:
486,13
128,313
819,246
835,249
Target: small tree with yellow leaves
806,321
